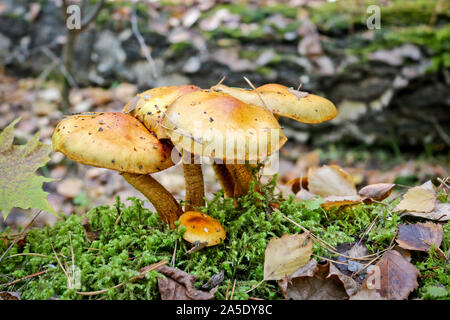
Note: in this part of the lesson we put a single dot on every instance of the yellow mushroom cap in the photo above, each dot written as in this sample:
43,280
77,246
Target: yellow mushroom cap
217,125
286,102
111,140
202,228
149,106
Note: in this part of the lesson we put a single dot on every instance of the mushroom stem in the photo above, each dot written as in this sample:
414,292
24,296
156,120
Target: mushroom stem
242,178
164,202
195,189
225,179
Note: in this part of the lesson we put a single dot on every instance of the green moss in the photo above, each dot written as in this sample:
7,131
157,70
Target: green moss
139,238
341,15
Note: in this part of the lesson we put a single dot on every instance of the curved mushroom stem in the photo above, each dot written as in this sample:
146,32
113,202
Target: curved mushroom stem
165,204
225,179
242,178
195,188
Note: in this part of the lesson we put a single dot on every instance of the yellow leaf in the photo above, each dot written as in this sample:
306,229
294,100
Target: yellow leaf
330,181
418,199
285,255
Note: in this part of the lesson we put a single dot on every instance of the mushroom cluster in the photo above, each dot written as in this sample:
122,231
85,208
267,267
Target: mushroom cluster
230,126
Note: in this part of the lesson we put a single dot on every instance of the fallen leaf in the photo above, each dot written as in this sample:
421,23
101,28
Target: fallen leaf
419,236
8,295
350,285
179,285
418,199
285,255
397,277
441,212
339,201
330,181
367,294
20,186
314,282
356,250
377,192
214,281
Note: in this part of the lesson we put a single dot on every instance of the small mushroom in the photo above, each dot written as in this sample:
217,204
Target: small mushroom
118,141
201,228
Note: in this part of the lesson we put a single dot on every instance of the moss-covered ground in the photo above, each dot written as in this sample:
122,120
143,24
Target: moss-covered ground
108,251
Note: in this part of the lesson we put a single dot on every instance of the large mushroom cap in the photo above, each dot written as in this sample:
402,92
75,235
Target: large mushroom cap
217,125
286,102
149,106
111,140
201,228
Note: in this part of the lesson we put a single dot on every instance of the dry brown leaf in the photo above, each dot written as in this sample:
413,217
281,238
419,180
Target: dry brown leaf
179,285
330,181
339,201
350,285
367,294
441,212
377,191
397,276
9,295
418,199
315,282
419,236
285,255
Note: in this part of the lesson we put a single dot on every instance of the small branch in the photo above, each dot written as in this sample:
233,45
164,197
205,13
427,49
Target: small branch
60,264
61,66
232,290
92,15
23,232
24,278
144,48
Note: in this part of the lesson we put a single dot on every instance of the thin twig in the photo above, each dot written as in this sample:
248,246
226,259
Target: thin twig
92,15
232,290
28,254
368,229
144,48
259,95
62,68
22,233
60,264
326,259
255,286
321,242
5,285
228,288
174,254
221,80
73,256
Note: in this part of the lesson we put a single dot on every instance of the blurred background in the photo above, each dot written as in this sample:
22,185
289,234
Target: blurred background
390,80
